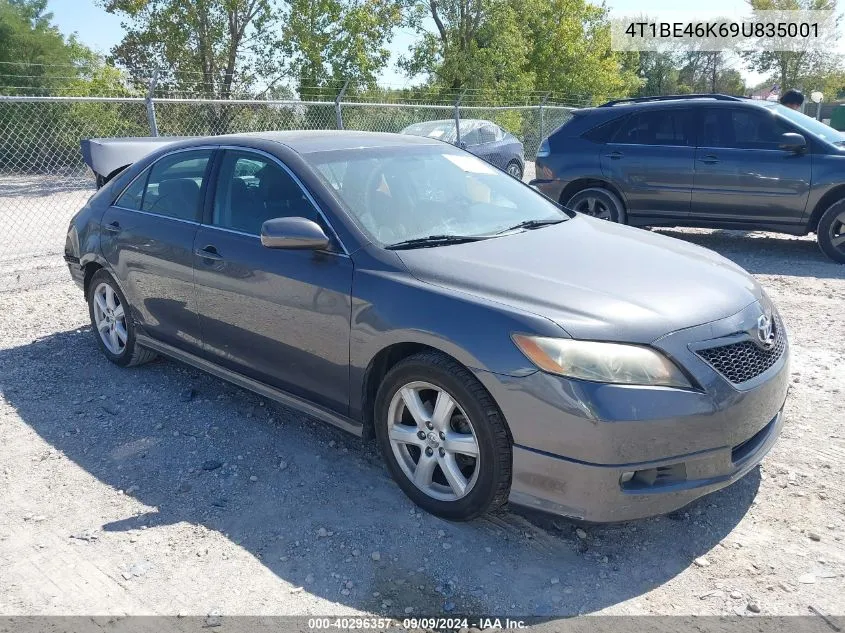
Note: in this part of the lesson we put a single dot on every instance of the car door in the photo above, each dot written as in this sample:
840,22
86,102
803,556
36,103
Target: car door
741,174
278,316
650,159
148,237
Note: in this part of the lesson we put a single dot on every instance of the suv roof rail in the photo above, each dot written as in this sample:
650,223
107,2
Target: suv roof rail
717,97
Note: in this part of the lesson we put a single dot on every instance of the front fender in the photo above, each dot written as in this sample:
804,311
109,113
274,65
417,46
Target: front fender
392,307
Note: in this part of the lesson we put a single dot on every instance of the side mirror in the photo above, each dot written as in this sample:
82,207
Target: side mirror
793,142
293,233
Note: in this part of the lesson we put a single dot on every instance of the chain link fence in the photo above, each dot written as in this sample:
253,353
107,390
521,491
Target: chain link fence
44,180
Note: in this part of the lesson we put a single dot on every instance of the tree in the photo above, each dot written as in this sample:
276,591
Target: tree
211,47
791,69
329,41
475,44
708,71
35,56
501,46
570,50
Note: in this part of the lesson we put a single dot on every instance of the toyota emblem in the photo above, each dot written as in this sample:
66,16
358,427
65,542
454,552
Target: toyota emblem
765,332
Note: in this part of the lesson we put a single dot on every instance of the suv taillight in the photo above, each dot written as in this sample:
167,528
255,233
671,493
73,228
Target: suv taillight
544,149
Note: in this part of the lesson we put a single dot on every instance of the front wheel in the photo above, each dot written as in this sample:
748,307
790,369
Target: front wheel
514,169
831,232
443,437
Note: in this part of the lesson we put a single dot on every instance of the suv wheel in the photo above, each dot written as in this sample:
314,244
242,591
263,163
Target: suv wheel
514,170
443,437
111,319
598,203
831,232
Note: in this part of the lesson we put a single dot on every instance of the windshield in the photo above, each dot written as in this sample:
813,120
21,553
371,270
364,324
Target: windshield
822,130
441,130
405,193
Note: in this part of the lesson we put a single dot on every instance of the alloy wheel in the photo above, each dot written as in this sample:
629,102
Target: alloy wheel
592,205
514,170
110,319
837,232
433,441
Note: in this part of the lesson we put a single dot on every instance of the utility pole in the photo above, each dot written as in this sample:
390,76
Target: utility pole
337,113
151,111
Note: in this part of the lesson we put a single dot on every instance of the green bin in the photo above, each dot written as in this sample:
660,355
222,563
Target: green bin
837,118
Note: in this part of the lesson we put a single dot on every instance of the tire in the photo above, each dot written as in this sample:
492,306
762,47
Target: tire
514,169
831,232
598,203
475,417
108,324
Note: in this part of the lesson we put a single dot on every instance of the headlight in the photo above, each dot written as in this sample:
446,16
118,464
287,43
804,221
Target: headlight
601,362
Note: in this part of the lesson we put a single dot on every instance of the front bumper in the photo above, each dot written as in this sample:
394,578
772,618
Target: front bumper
608,453
593,492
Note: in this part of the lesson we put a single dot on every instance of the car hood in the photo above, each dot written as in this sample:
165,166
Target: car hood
596,279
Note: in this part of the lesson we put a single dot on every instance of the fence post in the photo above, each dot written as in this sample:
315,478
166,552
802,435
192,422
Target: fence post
542,115
151,110
457,115
337,113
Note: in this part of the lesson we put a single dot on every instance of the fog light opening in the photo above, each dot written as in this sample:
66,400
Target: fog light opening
648,478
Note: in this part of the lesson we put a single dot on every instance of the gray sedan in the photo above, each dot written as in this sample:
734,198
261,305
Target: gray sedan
483,138
497,346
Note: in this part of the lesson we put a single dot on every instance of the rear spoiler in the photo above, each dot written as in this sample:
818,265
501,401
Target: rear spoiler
107,157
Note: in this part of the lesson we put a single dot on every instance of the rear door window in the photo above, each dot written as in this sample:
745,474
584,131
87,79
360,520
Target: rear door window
175,183
133,195
656,127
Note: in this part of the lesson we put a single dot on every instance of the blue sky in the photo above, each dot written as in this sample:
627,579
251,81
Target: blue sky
101,31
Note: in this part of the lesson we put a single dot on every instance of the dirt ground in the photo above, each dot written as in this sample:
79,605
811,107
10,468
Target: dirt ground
161,490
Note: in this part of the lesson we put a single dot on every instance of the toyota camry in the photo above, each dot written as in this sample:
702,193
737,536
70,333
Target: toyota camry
497,346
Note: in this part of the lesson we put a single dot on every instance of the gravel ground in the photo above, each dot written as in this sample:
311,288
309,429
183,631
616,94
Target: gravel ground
161,490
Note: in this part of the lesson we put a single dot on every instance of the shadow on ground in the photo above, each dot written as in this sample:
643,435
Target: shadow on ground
766,253
171,437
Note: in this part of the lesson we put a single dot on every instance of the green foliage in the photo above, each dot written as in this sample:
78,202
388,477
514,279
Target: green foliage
214,48
569,44
800,68
331,41
34,56
504,47
39,60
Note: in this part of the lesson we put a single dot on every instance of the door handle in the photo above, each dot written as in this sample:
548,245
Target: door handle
615,155
209,252
113,227
710,159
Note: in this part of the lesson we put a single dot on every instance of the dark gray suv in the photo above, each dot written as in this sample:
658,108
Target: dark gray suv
701,160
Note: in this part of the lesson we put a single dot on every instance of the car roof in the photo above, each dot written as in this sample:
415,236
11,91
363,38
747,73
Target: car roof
452,121
701,100
307,141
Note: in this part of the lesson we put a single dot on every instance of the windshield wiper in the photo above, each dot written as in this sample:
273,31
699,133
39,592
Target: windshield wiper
434,240
532,224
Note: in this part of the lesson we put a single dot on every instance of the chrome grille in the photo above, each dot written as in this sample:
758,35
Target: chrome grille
740,362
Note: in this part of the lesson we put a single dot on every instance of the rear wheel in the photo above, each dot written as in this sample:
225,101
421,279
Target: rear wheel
831,232
112,321
443,437
598,203
514,169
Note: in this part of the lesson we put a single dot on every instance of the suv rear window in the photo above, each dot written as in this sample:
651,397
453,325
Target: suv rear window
656,127
604,132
